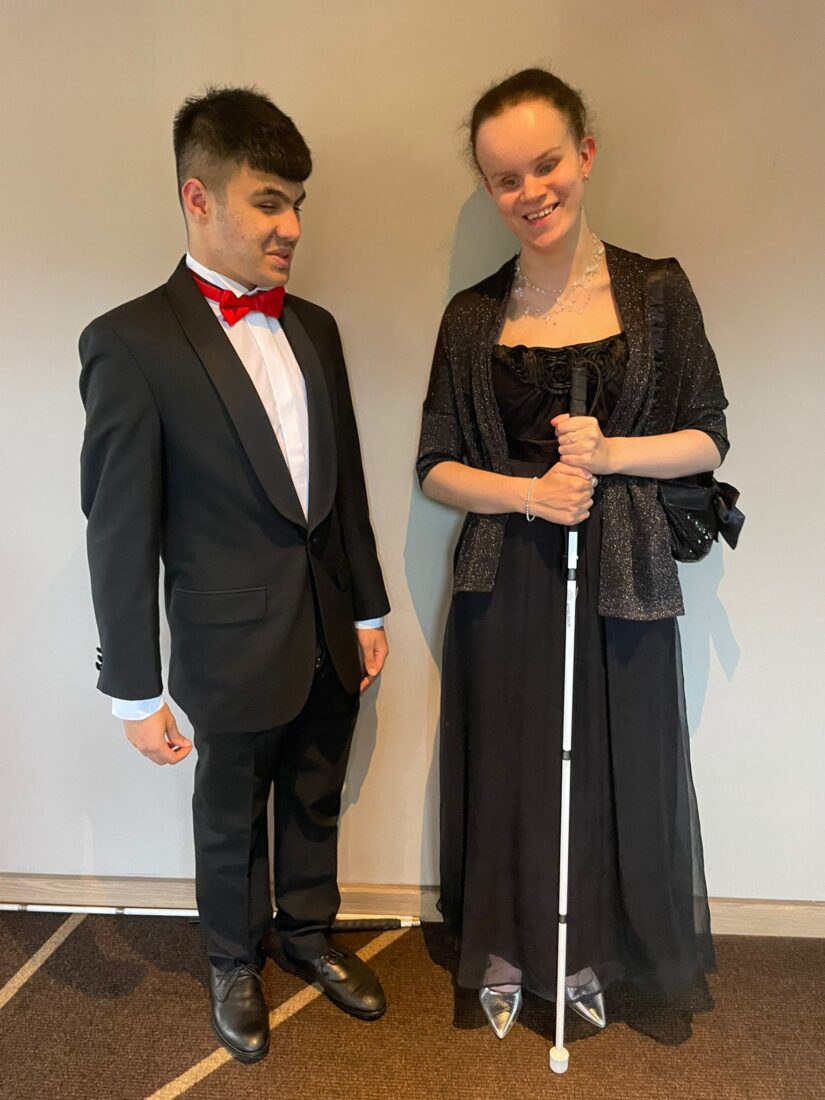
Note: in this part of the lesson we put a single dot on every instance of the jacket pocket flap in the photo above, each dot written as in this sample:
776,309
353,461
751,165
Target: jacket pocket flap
239,605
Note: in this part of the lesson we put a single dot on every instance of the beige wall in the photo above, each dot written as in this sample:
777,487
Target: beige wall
709,118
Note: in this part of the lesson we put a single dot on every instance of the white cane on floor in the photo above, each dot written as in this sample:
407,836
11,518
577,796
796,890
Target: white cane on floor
559,1057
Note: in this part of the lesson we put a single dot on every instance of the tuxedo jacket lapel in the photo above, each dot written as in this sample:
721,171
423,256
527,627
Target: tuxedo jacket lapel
323,465
238,394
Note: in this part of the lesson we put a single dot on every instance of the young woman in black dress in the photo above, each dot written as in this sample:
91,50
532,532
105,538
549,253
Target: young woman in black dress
498,443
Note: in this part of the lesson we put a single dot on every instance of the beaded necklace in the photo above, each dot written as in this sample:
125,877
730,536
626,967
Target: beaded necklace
570,299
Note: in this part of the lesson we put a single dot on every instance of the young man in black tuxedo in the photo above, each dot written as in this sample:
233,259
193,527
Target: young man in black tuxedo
220,437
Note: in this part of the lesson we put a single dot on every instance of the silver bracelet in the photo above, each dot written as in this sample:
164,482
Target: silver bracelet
527,512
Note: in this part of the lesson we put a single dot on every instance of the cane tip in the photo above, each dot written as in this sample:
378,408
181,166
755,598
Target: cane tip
559,1059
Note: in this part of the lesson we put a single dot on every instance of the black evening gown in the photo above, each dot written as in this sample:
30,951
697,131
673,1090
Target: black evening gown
637,897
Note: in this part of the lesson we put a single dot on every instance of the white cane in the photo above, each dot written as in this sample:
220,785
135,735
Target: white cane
559,1057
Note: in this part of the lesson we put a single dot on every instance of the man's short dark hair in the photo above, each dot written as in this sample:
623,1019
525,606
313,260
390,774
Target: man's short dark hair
217,132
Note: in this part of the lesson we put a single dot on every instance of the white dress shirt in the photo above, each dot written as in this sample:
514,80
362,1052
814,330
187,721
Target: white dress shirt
264,350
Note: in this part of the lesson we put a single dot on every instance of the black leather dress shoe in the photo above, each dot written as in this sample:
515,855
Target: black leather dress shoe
240,1017
346,980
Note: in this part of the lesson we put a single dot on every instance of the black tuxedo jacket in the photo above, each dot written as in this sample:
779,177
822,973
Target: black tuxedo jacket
180,463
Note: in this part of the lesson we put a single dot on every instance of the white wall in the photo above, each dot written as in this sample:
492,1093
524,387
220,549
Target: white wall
709,118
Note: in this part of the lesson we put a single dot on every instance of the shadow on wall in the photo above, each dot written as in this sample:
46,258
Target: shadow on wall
480,246
363,746
705,621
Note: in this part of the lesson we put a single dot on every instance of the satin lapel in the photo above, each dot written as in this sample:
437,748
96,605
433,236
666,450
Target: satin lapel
236,391
323,462
630,291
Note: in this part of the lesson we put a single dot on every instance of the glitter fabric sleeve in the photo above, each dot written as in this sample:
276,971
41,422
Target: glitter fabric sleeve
701,400
441,439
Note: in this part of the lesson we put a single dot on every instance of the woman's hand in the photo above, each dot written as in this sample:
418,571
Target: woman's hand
563,495
677,454
582,445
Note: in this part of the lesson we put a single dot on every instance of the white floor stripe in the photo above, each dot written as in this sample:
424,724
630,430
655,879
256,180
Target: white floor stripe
277,1016
15,984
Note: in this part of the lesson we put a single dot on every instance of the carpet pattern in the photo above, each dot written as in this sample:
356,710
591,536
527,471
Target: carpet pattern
120,1011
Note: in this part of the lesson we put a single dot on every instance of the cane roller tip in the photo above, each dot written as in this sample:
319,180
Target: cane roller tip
559,1059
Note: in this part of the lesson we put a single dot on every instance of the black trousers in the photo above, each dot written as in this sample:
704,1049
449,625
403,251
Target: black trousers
305,761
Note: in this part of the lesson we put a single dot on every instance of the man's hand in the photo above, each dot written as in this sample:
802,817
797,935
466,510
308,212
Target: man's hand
158,736
374,650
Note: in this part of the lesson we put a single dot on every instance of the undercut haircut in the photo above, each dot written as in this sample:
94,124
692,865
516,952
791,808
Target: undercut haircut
216,133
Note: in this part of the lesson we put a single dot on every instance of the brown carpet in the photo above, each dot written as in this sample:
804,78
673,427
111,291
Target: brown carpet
21,934
120,1010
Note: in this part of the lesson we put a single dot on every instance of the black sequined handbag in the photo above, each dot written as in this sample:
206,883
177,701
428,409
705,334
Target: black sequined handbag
699,508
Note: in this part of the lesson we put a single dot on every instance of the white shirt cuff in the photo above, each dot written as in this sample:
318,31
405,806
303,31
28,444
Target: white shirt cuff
135,710
370,624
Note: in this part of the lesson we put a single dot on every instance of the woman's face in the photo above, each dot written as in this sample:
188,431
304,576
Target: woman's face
535,171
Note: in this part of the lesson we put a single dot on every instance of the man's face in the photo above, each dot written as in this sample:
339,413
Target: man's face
249,233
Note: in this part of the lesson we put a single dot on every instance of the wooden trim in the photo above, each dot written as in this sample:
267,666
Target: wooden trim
418,902
126,891
730,916
766,917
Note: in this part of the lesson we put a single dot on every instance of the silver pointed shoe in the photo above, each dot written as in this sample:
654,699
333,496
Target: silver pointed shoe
501,1009
588,1001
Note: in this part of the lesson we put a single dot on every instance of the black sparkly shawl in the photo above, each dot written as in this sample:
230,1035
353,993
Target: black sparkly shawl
461,423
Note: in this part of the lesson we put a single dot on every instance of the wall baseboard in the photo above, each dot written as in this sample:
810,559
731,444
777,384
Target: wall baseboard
730,916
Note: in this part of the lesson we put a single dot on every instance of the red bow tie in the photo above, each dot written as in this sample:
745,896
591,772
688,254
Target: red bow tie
270,302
